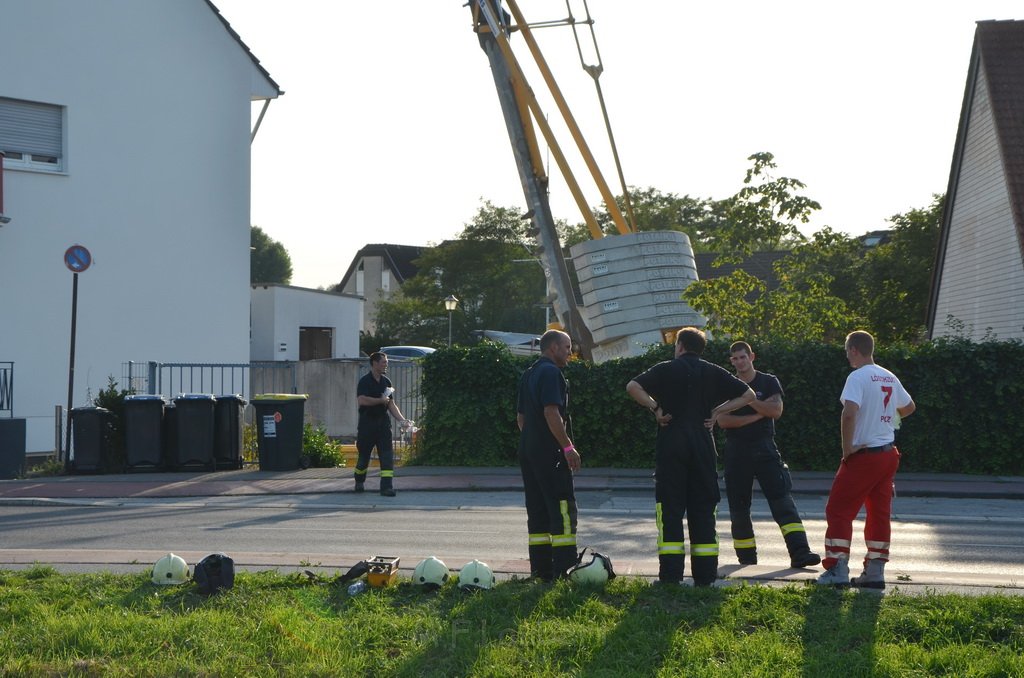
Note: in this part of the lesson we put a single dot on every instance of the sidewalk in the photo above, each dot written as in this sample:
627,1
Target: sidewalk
251,481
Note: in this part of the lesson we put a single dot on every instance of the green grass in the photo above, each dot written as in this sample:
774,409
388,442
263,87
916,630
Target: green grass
275,624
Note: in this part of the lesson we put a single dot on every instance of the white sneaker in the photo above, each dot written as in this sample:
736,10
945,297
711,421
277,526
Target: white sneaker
838,576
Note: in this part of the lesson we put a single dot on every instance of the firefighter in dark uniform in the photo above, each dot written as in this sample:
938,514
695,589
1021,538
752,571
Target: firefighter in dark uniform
548,459
750,452
375,396
681,394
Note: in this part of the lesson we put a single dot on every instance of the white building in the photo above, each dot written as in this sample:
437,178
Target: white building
127,127
978,278
295,323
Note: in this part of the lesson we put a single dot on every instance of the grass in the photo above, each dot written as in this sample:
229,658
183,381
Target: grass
273,624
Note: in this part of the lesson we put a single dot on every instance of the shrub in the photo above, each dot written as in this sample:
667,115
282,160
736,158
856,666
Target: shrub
320,449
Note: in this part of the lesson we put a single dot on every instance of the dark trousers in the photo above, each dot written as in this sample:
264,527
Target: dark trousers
371,434
686,485
760,459
551,516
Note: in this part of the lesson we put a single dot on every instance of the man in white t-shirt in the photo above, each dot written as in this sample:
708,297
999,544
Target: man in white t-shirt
873,401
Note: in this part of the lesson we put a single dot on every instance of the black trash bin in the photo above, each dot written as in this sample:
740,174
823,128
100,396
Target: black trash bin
228,431
193,422
144,432
279,419
12,448
90,430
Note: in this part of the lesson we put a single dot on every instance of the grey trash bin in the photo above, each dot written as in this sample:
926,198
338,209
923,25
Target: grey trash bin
143,432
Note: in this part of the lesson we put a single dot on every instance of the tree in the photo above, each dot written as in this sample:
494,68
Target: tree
269,261
657,211
764,215
895,281
490,268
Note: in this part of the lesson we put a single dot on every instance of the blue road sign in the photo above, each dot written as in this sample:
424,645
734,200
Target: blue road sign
77,258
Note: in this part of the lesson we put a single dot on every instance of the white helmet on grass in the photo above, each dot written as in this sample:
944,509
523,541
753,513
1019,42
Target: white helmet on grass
476,575
170,569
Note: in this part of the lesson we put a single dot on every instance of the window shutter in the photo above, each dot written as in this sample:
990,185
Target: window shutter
30,128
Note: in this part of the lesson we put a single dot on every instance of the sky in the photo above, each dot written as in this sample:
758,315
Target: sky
390,130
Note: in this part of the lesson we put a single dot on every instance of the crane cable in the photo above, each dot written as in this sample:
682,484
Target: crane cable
595,70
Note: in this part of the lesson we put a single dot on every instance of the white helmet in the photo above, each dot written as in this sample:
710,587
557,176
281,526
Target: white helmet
598,571
430,572
170,569
476,575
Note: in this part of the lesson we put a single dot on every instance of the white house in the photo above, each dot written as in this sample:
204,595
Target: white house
295,323
376,272
978,277
127,128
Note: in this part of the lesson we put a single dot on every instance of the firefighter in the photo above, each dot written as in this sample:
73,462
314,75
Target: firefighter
548,459
680,393
750,452
375,396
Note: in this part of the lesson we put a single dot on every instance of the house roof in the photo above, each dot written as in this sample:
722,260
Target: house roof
759,264
399,259
238,39
1002,51
998,52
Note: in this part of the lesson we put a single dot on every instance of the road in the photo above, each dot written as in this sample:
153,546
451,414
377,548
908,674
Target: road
936,542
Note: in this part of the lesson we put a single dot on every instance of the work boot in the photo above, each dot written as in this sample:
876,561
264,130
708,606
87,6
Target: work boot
387,492
873,576
802,560
838,576
359,487
746,556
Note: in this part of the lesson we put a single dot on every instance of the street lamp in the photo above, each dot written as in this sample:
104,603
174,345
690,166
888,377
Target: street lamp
450,304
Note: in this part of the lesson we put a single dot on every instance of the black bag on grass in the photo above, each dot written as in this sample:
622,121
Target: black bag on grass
214,573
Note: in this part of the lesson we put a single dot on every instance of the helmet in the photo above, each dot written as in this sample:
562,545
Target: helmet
430,572
476,575
170,569
598,571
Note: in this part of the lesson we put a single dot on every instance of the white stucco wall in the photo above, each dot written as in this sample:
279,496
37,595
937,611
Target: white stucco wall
278,311
155,184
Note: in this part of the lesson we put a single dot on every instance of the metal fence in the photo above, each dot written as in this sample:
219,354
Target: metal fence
330,383
7,388
173,379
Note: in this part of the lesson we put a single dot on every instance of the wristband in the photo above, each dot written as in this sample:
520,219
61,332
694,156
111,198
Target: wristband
570,448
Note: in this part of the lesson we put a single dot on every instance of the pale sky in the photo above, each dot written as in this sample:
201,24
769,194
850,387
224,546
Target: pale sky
390,129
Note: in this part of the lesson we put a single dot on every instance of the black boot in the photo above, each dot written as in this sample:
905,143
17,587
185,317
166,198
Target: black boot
540,562
670,567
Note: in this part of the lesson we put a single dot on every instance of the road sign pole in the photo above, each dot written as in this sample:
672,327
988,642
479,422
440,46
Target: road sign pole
71,367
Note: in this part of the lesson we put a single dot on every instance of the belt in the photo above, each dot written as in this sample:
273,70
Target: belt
879,448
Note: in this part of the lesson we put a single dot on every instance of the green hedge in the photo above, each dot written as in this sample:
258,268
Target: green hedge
966,421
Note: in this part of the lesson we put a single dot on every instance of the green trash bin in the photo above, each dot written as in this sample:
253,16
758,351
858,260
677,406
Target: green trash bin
279,420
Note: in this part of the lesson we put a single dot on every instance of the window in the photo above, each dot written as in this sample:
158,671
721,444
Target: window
32,135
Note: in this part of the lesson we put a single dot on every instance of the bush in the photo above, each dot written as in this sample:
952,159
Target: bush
964,394
112,398
320,449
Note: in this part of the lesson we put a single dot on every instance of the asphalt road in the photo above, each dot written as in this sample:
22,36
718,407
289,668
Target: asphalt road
943,543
